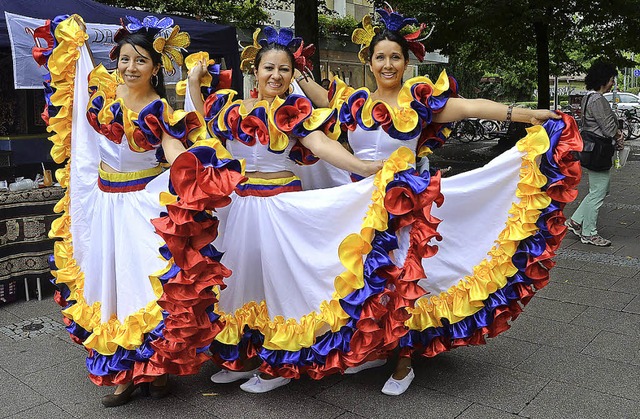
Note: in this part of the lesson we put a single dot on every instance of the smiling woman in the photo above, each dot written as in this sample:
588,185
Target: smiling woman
273,73
115,139
459,292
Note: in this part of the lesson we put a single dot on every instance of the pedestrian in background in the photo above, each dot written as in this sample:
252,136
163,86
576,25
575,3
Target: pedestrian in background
600,120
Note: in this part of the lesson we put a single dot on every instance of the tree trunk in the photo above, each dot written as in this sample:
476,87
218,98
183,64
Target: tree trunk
542,53
307,27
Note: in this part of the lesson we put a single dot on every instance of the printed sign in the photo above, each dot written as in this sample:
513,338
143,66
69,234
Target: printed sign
26,72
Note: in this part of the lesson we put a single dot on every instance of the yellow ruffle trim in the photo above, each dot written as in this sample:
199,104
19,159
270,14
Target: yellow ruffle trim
404,117
467,296
295,334
105,336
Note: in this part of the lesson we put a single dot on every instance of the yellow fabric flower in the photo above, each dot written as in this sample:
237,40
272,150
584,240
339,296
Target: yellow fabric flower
249,52
363,36
170,48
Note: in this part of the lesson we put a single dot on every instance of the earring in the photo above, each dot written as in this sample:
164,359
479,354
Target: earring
154,80
119,78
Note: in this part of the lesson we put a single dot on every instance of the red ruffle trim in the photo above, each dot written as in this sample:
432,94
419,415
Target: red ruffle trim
382,318
189,294
537,268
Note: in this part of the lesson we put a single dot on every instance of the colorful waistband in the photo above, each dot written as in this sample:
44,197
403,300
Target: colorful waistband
269,187
126,182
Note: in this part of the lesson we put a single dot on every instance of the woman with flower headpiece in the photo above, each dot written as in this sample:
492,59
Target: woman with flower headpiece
498,226
137,326
309,267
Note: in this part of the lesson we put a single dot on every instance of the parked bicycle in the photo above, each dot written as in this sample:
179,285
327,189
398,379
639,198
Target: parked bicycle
468,130
630,121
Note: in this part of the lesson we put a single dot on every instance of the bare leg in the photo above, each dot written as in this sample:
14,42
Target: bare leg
402,368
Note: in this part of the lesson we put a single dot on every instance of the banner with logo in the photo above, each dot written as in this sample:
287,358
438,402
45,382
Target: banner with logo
26,72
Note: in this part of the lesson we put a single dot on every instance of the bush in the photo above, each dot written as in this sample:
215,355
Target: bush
530,105
342,26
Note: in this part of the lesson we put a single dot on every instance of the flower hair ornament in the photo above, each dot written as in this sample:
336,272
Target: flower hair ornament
168,41
285,38
392,21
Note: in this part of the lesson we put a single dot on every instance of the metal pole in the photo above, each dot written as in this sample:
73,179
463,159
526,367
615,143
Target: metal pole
555,93
624,84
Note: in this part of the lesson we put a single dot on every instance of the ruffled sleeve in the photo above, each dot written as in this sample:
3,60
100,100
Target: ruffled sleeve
428,98
221,115
339,92
272,124
105,115
157,119
296,117
144,130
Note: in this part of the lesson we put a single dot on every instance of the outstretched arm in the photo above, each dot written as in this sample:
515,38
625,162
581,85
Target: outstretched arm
458,108
172,147
316,93
333,153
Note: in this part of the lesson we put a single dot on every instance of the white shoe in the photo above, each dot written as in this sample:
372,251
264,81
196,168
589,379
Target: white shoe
395,387
365,366
227,376
260,385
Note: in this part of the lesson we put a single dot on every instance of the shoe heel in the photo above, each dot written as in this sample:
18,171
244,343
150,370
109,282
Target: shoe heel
144,389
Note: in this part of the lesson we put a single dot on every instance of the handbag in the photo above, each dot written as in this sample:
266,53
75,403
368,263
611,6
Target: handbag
597,151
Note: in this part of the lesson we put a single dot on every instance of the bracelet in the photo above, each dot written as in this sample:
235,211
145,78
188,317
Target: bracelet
509,112
301,77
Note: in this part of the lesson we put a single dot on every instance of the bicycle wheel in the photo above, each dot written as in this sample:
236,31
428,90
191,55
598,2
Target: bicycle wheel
479,132
634,124
626,129
489,126
467,131
458,130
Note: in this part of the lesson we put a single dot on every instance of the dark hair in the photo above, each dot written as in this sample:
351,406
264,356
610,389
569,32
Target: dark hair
273,47
599,74
387,35
145,40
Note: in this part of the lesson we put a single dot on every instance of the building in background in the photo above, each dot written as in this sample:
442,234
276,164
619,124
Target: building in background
338,55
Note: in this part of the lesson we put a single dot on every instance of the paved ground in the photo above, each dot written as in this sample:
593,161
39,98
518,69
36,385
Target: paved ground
574,353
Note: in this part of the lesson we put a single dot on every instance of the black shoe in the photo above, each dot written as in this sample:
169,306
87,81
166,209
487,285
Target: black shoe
113,400
159,392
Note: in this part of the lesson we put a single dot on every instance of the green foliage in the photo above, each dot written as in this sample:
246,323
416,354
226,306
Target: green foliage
340,26
466,76
241,13
527,40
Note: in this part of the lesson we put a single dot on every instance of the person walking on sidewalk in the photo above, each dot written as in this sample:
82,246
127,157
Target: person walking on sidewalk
599,118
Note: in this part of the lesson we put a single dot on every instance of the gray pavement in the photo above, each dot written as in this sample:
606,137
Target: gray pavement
573,353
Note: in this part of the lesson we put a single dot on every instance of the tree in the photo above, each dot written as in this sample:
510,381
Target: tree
551,33
307,27
246,14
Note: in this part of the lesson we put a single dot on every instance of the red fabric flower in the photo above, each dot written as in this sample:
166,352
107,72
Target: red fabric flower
255,128
288,116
